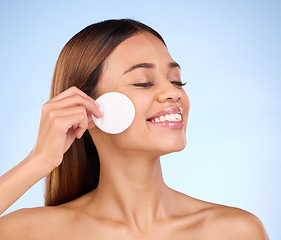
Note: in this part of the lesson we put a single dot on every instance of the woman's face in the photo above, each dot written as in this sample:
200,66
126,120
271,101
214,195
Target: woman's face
153,86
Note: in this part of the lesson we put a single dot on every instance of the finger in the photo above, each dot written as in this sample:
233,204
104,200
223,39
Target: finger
66,123
79,132
80,128
74,100
70,92
76,132
62,128
61,112
83,124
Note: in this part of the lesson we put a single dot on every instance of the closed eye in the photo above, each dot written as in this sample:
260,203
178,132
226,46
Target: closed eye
146,85
178,83
150,84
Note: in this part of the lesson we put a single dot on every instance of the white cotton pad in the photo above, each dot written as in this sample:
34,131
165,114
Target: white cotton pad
118,112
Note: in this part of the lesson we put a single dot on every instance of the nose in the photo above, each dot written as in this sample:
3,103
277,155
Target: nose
169,92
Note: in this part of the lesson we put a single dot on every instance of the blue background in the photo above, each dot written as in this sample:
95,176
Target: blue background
230,54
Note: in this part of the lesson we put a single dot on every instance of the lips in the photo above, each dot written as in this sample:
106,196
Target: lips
172,114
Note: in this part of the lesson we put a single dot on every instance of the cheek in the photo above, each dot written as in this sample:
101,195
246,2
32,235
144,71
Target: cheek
185,104
137,130
142,103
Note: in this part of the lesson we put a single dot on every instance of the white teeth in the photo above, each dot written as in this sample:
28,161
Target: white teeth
178,117
162,118
168,117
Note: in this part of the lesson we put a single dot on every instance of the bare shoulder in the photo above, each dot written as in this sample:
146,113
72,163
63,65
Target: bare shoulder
223,222
234,223
34,223
216,221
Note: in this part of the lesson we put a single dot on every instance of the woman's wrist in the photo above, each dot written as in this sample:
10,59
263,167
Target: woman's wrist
39,164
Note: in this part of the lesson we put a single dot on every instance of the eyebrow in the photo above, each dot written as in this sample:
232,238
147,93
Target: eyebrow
149,66
174,65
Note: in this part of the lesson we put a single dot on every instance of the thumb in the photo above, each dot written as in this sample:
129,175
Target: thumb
91,123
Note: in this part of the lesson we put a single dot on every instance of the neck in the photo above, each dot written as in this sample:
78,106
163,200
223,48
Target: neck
132,189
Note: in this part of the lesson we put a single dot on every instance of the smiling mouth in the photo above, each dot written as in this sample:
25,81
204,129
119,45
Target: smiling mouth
167,118
167,115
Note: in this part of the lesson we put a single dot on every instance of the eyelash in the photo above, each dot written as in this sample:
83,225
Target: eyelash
150,84
179,83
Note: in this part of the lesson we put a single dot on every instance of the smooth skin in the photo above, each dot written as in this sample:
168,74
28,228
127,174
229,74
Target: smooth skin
131,201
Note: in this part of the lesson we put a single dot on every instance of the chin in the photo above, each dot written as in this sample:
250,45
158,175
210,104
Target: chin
175,146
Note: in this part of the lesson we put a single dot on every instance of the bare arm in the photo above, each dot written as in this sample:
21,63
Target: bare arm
64,118
19,179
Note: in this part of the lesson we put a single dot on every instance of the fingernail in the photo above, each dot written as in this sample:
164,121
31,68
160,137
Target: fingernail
101,111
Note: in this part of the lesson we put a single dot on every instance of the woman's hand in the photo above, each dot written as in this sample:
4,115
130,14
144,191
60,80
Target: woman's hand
64,118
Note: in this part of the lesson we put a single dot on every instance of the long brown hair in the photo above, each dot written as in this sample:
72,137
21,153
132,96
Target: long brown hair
80,64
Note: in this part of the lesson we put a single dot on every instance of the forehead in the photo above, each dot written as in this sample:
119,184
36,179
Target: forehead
143,47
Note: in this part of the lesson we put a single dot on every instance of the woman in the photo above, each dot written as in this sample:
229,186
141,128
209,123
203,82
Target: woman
108,186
